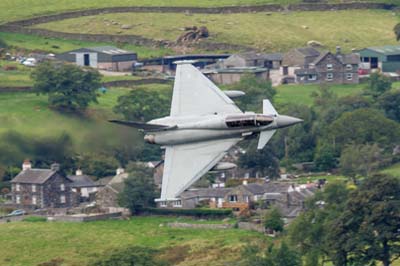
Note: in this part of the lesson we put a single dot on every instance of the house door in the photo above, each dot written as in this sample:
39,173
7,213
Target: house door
86,60
374,62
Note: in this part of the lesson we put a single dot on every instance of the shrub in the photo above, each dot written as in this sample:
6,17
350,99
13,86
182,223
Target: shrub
34,219
130,256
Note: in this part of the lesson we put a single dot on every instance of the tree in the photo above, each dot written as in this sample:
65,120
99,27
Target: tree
139,190
256,90
263,161
97,164
309,231
396,30
360,160
143,105
325,157
390,103
363,126
273,220
68,87
377,85
372,221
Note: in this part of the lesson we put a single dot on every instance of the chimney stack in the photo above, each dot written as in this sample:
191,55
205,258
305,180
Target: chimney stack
26,165
120,170
55,167
338,50
78,172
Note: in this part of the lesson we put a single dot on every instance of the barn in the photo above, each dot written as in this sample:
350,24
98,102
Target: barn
104,57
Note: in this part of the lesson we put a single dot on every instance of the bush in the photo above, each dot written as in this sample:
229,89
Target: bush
202,213
34,219
131,256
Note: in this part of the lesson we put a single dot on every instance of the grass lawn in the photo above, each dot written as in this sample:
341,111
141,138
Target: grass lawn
301,94
20,9
393,170
276,32
12,78
329,178
25,243
55,45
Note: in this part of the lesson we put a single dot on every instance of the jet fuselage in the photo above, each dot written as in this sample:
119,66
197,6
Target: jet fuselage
191,129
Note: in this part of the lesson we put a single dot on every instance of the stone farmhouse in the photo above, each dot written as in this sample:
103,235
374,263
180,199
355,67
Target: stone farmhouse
42,188
329,68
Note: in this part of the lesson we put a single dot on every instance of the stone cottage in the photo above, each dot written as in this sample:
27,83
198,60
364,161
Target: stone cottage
329,68
42,188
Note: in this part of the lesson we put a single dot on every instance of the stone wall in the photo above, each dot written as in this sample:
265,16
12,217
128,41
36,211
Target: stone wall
85,218
200,226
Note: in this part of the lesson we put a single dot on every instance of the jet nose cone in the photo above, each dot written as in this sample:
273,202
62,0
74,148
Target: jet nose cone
286,121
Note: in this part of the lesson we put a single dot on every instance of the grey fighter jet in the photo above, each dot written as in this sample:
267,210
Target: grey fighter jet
203,125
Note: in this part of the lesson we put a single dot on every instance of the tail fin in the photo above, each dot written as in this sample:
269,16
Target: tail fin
268,109
140,125
265,136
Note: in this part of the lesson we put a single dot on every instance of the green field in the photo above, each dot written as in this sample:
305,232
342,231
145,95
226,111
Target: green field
28,244
394,170
276,32
20,9
55,45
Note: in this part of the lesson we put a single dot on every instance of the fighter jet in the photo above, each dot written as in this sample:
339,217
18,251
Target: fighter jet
204,123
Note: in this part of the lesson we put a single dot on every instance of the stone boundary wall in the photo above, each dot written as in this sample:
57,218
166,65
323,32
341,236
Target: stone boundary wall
206,10
200,226
117,83
98,217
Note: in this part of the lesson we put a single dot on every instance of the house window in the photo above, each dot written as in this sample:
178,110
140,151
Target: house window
312,77
62,199
349,67
329,76
177,203
246,198
62,187
329,67
34,200
349,76
18,199
232,198
163,204
17,187
33,188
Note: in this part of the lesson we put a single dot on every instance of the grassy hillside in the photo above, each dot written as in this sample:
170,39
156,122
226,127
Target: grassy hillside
55,45
19,9
275,32
28,113
77,243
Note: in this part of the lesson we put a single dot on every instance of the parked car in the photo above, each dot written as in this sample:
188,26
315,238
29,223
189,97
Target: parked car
31,62
16,213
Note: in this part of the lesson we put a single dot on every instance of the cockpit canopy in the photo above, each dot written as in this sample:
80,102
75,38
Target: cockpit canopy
248,120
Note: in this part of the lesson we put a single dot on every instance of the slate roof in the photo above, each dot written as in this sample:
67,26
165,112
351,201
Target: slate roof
111,50
82,181
205,193
34,176
308,51
352,59
256,56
